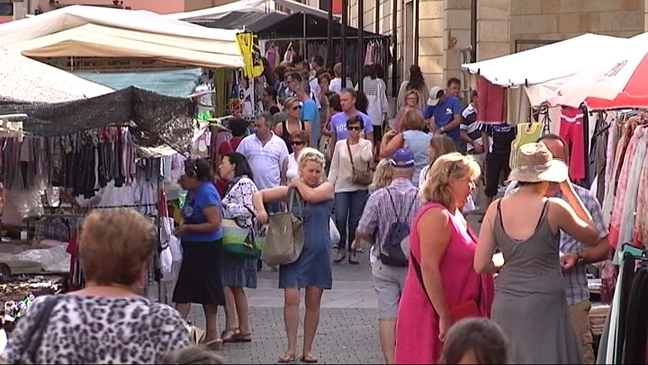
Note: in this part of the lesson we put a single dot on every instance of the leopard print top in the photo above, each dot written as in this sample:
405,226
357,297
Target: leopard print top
101,330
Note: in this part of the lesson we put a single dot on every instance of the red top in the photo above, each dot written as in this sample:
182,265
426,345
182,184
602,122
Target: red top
223,149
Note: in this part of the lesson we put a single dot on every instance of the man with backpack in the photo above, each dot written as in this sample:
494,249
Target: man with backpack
385,224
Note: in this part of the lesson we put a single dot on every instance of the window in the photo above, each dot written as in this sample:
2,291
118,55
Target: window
6,9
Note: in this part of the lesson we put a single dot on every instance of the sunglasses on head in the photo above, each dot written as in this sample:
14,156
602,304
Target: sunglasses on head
354,128
297,143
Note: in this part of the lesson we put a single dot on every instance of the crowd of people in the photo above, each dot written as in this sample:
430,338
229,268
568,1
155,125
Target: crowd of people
401,185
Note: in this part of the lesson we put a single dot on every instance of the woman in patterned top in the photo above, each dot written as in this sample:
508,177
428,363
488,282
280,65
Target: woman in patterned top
109,321
238,273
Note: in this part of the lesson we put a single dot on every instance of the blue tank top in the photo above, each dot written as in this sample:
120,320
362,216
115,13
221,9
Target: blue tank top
418,142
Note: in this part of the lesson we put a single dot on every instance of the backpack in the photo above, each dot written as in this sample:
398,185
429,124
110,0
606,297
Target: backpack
391,252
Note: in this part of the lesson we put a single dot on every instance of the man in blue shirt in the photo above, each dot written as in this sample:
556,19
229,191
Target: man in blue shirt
309,112
446,113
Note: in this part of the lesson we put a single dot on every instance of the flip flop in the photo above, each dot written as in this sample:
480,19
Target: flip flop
242,337
308,359
286,359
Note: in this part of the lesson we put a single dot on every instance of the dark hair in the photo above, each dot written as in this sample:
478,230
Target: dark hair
356,119
199,169
557,138
297,59
362,103
295,76
318,60
379,70
453,80
481,337
305,65
324,76
268,73
238,126
271,92
368,70
334,102
280,72
416,80
242,167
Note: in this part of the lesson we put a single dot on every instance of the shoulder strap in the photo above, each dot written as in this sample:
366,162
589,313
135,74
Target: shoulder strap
293,195
350,155
37,330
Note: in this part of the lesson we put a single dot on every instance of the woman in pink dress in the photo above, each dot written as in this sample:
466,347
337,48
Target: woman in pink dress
441,286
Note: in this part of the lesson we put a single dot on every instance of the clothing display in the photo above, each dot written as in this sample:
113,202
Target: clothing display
624,338
598,155
526,133
572,130
492,102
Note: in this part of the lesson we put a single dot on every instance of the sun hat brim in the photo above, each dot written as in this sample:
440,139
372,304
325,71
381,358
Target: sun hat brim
555,171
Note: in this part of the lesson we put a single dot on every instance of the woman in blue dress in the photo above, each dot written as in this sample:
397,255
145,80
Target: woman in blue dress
312,270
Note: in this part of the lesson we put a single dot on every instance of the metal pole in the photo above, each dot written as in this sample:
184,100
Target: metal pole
361,46
473,30
395,46
417,30
345,20
329,37
304,48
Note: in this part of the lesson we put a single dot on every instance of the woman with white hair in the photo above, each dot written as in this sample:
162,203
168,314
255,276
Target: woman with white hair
312,270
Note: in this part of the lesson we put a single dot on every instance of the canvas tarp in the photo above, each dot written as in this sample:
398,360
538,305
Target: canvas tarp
156,119
542,70
168,82
24,79
92,40
71,17
247,6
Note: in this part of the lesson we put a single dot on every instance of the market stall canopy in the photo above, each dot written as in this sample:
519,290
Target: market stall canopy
541,70
92,40
168,82
75,16
156,119
24,79
244,6
615,80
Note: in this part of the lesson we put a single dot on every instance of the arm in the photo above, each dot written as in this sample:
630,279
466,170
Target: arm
335,165
567,220
283,179
368,221
308,125
601,251
269,196
278,129
316,195
243,191
368,130
434,231
483,261
388,147
456,121
366,150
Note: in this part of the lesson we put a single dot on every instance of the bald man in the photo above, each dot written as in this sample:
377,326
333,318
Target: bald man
576,255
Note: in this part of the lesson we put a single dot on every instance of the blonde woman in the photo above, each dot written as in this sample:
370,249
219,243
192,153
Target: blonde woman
412,98
440,277
312,270
383,175
293,123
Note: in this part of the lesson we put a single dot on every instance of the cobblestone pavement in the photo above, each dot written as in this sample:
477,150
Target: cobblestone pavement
347,332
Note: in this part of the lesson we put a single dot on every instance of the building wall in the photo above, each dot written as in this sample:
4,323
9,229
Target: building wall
444,27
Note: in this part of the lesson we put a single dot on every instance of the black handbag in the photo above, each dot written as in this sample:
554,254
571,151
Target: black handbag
35,333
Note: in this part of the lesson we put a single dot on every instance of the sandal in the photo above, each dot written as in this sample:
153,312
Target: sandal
286,358
242,337
215,345
230,335
309,359
353,260
340,257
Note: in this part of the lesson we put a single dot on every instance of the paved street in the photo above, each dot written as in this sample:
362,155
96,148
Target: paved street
348,326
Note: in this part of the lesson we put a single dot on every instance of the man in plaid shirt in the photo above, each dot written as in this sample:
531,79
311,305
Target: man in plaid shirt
397,202
575,256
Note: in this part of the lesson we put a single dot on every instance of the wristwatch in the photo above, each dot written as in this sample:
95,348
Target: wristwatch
580,258
442,129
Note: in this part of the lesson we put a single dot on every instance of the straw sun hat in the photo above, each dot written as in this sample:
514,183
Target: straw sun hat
536,164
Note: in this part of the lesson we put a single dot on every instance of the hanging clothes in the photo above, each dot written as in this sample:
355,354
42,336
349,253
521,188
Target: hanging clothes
526,133
572,130
492,102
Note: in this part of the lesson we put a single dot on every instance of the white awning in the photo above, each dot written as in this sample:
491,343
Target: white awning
220,11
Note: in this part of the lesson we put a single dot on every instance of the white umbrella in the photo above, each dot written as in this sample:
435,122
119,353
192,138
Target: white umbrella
25,79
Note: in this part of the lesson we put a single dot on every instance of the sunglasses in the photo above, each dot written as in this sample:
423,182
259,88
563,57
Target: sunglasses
297,107
354,128
297,143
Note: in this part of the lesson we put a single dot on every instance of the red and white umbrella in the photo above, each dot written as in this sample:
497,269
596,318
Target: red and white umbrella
619,80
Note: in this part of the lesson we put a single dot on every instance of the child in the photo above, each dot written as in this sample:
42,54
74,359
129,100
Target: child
193,355
475,341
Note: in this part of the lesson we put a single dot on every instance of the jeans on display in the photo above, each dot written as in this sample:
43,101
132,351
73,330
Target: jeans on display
348,209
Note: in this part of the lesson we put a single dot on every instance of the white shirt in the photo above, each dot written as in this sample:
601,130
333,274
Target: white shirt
293,169
265,161
336,84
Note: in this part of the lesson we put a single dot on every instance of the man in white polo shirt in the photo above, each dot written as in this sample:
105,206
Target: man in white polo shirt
265,152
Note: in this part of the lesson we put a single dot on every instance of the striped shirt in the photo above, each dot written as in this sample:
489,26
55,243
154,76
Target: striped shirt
379,215
472,127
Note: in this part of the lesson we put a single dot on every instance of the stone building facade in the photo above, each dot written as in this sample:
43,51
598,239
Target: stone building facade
503,27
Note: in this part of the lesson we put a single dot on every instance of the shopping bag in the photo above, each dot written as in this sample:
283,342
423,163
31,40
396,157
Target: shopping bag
285,234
